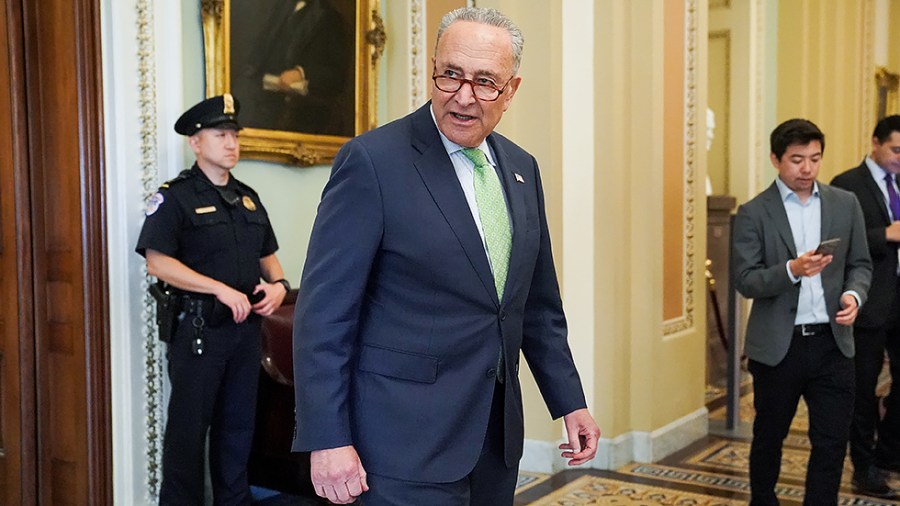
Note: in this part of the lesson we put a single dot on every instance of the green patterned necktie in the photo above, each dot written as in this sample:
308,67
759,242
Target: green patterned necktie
493,215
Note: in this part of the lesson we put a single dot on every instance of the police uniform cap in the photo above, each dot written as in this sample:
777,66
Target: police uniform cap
218,112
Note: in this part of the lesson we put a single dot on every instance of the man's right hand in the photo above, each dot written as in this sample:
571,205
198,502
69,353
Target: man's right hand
892,232
337,474
236,301
809,264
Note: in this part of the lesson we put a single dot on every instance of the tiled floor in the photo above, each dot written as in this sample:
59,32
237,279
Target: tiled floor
710,472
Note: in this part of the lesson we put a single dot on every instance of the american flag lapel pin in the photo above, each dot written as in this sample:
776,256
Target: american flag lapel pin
519,178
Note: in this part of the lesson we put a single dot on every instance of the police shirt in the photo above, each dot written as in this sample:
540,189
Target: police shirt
218,232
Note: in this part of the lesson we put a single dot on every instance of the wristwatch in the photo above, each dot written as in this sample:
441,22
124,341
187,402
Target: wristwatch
284,283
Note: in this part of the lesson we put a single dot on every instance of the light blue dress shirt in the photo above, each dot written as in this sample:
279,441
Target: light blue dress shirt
806,227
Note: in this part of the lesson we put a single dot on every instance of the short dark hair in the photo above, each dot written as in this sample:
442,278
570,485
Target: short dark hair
795,131
886,127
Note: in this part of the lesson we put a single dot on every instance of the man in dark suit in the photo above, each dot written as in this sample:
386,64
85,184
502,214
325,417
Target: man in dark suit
875,441
799,335
429,269
299,75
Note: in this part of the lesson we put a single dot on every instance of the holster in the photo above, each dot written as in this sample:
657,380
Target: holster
167,308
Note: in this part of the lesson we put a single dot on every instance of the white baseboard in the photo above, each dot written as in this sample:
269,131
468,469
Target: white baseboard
613,453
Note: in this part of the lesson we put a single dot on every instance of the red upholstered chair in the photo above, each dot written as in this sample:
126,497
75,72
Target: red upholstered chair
272,465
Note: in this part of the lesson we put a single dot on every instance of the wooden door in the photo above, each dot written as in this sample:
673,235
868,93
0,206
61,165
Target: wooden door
55,428
17,434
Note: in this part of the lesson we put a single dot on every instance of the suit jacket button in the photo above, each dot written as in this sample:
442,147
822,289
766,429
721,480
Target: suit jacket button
491,373
502,315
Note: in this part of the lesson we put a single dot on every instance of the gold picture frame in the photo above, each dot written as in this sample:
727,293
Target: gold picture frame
252,48
887,84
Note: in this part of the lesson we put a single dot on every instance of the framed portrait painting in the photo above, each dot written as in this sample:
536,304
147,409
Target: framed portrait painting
303,71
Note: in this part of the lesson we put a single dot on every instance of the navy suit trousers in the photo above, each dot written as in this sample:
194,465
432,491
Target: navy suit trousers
491,482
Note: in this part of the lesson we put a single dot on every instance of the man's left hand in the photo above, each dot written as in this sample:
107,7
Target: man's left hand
583,436
275,293
849,310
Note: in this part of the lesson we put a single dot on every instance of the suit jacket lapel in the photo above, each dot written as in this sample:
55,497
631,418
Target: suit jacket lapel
874,190
827,215
516,201
776,211
436,170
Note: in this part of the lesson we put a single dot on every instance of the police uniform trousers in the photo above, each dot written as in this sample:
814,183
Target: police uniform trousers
214,392
815,369
873,440
490,483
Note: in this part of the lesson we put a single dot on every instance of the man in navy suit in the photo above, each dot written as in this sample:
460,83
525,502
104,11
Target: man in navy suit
429,269
875,441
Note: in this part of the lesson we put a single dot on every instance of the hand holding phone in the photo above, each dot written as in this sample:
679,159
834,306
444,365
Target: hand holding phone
828,246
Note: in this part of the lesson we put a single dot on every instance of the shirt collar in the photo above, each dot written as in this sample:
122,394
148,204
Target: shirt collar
877,172
787,192
453,147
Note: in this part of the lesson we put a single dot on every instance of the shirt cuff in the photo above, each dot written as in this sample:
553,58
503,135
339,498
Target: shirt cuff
794,280
855,296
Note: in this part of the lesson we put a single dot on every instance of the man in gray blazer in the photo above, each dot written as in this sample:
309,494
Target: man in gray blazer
799,337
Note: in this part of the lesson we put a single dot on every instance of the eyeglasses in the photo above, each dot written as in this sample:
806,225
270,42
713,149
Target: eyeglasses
486,92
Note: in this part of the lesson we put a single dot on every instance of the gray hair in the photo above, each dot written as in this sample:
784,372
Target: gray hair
491,17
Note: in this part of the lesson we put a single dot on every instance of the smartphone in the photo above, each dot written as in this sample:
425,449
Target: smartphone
828,246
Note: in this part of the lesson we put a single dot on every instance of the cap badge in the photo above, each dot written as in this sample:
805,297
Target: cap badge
229,103
248,203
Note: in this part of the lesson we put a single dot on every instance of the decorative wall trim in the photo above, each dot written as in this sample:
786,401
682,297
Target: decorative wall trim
416,53
719,4
686,320
866,71
153,363
613,453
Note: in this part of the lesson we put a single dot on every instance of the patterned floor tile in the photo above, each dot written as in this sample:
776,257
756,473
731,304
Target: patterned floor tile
605,491
527,480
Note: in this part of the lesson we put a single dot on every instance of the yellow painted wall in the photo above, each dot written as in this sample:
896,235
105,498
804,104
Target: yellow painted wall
646,377
825,74
893,46
719,83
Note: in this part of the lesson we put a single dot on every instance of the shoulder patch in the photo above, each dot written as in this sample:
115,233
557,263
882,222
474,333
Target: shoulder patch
153,204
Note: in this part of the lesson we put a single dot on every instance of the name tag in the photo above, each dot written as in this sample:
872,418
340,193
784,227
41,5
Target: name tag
205,210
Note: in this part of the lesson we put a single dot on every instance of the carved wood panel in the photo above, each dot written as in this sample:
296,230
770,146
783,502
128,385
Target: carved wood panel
17,464
55,425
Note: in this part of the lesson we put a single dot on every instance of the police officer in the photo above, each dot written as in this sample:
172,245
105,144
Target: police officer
208,236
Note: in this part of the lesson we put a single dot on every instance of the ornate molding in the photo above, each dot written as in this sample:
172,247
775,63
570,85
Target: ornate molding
416,52
886,84
868,111
686,321
212,8
376,37
153,362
